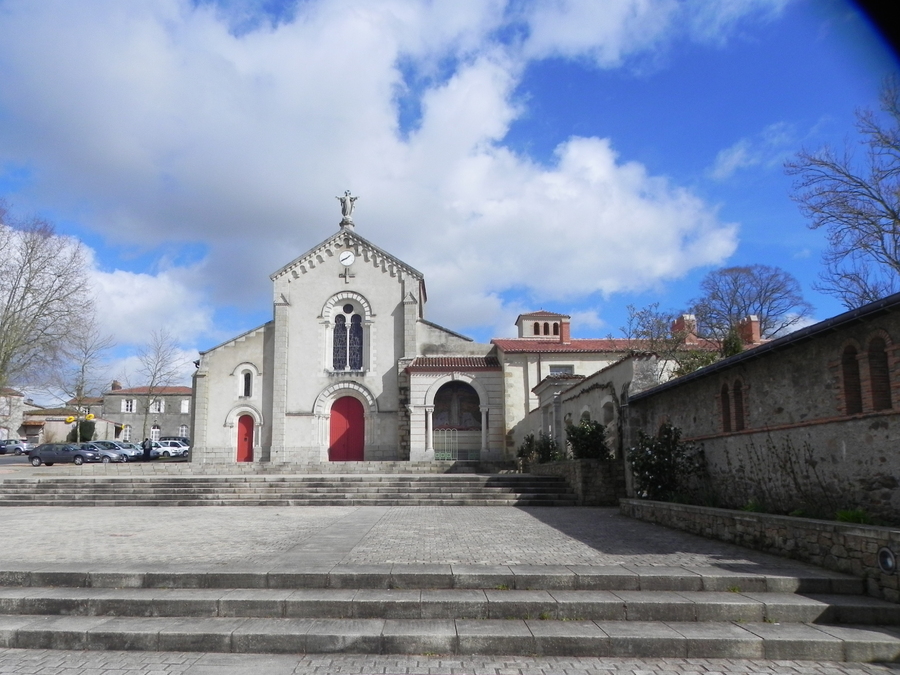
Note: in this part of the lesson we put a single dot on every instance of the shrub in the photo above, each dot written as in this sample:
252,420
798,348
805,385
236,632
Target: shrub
667,469
588,440
539,450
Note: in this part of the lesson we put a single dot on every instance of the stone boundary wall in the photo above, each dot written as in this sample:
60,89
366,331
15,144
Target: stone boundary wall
595,483
842,547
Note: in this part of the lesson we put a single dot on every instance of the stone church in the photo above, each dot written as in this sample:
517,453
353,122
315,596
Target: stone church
349,369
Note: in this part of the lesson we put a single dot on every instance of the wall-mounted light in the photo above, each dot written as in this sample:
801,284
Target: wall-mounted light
887,561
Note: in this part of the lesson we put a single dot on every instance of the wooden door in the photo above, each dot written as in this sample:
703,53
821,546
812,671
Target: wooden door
347,431
245,439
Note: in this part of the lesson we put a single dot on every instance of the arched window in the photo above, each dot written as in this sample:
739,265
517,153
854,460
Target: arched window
879,375
355,356
155,433
340,343
556,329
852,386
183,430
738,401
546,328
537,328
248,384
726,409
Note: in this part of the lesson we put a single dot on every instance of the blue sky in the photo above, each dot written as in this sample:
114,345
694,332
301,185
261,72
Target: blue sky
571,155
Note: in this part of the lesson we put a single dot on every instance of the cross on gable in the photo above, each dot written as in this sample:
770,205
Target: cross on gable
347,275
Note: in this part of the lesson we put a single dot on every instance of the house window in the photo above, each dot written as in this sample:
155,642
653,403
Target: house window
562,370
128,405
247,390
155,433
726,409
537,328
556,329
183,430
852,386
185,406
879,375
738,401
546,328
157,407
126,433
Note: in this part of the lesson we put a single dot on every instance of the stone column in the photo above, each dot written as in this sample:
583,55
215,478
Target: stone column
429,434
484,430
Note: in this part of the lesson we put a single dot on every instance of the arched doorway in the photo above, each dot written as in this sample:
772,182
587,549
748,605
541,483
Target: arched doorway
245,439
456,422
347,438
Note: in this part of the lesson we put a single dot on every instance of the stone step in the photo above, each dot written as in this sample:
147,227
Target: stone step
292,502
614,578
346,603
462,636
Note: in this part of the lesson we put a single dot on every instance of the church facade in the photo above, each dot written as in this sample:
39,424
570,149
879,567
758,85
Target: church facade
349,369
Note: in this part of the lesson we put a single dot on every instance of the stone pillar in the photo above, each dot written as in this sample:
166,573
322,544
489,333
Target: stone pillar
484,430
429,433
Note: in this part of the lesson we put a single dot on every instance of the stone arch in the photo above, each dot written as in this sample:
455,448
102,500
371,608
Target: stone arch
328,395
240,372
457,377
244,409
343,297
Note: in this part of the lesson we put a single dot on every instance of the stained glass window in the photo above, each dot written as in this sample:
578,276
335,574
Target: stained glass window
340,343
356,343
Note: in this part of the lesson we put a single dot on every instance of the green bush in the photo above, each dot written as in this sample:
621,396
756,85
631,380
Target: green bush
539,450
667,469
588,440
82,432
859,516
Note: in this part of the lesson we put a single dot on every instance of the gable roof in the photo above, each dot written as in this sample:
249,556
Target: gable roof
161,391
441,363
524,345
345,238
542,314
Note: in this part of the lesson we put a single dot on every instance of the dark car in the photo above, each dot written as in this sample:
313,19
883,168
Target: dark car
62,453
107,455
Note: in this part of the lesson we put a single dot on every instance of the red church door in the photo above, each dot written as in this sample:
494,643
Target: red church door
347,430
245,439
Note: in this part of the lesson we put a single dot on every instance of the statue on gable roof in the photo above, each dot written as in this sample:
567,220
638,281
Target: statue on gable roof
347,204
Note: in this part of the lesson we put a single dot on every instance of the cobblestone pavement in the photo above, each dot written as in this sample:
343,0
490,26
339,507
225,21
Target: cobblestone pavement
47,662
403,534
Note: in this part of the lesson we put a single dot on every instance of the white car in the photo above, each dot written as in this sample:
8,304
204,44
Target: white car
169,449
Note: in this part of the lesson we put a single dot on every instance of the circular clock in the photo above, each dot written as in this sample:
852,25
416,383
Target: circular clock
347,258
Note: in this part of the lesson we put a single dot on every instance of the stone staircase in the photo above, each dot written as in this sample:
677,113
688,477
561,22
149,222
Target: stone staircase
620,611
360,489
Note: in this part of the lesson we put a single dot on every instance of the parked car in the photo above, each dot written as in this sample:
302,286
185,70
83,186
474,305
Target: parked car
52,453
132,451
14,445
183,439
173,449
107,455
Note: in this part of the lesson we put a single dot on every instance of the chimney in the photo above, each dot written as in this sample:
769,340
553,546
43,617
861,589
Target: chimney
748,330
116,385
687,324
565,331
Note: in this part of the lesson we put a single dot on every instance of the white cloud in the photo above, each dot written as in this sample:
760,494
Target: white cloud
769,148
157,122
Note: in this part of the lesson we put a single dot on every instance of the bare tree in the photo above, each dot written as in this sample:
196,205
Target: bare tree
43,293
81,376
160,367
734,293
676,347
857,203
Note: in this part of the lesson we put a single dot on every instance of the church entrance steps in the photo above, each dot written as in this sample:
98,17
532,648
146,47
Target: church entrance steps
573,610
285,490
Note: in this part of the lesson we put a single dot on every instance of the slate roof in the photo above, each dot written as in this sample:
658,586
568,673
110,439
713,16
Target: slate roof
442,363
162,391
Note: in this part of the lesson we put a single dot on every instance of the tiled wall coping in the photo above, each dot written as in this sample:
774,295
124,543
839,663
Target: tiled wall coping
842,547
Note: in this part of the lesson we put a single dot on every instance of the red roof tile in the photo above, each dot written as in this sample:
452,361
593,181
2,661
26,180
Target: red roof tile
454,363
